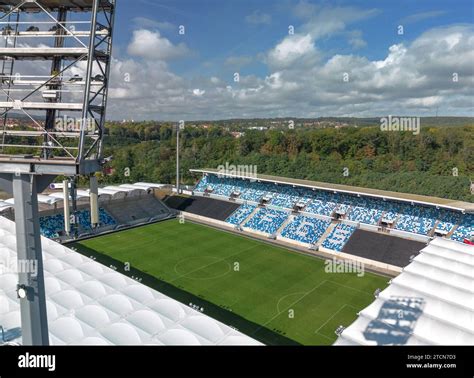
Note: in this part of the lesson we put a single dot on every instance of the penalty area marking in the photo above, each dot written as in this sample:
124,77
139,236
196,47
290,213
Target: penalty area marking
287,295
332,317
291,304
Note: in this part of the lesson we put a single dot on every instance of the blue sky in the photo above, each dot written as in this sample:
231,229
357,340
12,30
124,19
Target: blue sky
191,76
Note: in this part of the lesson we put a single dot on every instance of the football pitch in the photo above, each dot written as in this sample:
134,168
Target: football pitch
266,291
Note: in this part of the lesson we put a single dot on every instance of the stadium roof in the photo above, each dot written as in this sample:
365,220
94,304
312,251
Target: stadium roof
120,191
431,302
390,195
88,303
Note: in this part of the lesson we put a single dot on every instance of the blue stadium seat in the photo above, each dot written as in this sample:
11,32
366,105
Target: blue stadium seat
267,220
465,230
239,215
447,220
338,237
366,211
305,229
51,226
415,219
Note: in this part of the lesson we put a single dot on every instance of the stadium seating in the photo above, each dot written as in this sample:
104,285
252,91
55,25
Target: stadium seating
305,229
202,184
338,237
366,211
253,191
416,219
390,211
287,197
465,229
321,207
419,220
447,220
239,215
343,208
51,226
267,220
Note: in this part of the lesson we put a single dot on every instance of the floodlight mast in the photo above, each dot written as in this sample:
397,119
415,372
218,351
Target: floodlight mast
50,145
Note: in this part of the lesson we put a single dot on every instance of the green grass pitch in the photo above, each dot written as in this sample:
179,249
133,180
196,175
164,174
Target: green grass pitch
276,289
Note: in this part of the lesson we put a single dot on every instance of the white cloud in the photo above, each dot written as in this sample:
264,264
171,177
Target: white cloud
416,17
413,78
151,45
290,49
198,92
355,39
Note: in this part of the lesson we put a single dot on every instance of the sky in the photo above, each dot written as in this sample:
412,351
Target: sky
220,59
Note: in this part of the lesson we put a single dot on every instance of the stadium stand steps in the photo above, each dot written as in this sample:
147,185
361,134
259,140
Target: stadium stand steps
288,220
326,234
242,214
415,219
266,220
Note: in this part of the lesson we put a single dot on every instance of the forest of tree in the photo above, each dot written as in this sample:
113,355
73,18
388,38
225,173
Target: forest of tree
439,161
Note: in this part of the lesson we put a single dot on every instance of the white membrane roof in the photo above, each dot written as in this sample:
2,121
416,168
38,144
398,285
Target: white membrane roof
89,303
430,303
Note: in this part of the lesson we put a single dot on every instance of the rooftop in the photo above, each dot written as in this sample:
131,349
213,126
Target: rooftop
430,303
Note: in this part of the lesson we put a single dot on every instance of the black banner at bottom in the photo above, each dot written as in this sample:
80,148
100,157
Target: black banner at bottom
430,361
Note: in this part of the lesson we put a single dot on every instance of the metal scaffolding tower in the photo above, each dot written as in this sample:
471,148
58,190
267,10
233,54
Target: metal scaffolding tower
55,65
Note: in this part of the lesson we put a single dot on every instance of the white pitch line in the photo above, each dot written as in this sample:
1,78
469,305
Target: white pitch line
332,317
348,287
292,304
207,265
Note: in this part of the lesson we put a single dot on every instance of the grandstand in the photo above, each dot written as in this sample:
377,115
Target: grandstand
464,229
120,206
305,230
242,213
338,237
413,217
266,221
52,226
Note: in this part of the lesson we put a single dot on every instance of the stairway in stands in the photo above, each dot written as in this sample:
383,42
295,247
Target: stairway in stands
249,216
326,234
288,220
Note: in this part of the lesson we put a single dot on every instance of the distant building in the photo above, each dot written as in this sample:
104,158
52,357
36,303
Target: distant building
237,134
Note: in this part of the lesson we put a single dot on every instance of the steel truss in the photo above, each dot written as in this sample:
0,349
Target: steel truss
65,112
31,157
